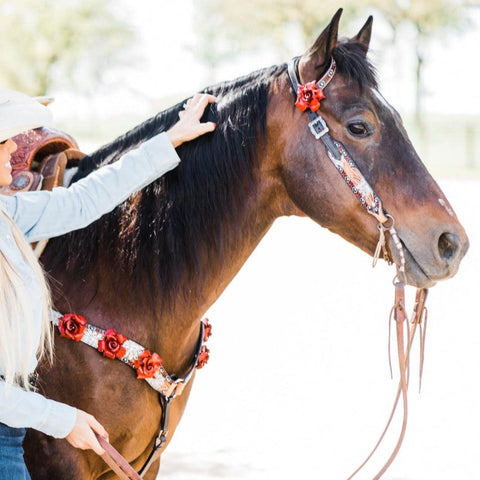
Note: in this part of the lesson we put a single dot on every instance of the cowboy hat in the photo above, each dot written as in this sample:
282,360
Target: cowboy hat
19,112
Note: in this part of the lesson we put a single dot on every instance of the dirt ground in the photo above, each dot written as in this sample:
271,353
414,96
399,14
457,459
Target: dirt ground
298,383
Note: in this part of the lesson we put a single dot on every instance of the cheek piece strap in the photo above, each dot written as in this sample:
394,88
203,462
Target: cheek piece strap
308,99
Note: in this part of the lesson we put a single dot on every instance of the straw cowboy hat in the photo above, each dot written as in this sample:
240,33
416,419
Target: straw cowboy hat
19,112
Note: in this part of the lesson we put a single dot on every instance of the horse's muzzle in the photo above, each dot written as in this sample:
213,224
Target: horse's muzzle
433,257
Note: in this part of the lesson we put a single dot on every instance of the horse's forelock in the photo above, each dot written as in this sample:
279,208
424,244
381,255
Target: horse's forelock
352,63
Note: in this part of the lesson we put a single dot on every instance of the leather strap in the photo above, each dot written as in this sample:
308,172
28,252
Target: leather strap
161,439
116,462
337,153
401,319
320,127
120,466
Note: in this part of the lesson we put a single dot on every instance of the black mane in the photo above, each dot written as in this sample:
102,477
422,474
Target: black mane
168,232
164,234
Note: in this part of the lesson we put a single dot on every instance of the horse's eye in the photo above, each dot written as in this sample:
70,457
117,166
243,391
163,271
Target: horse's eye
358,129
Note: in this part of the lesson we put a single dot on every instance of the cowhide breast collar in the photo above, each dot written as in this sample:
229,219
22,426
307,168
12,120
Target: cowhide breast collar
114,345
148,366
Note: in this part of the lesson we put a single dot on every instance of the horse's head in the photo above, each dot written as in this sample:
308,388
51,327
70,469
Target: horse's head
372,131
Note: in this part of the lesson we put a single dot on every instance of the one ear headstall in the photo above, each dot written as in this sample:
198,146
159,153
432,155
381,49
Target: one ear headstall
307,99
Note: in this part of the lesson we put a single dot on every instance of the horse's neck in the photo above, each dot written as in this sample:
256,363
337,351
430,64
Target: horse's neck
183,323
172,333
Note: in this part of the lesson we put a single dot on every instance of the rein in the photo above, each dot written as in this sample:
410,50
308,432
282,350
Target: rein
308,99
116,462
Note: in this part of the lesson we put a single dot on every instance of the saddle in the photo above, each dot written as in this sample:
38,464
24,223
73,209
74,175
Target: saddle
39,163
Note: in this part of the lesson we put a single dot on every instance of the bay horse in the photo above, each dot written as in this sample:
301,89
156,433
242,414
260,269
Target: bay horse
153,266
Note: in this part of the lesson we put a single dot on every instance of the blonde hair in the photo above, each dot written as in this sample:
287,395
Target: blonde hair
17,342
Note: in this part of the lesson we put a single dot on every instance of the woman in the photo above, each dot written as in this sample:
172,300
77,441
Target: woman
25,332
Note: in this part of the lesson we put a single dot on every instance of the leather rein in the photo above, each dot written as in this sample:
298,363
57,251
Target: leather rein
308,99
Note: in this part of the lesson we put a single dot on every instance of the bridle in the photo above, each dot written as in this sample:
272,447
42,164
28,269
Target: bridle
348,169
307,99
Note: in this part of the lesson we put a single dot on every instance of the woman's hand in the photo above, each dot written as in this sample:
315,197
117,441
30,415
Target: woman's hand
82,435
189,126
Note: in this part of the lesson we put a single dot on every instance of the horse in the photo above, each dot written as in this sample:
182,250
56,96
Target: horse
153,266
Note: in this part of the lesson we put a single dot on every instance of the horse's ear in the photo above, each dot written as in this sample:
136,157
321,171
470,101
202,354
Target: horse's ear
313,60
365,33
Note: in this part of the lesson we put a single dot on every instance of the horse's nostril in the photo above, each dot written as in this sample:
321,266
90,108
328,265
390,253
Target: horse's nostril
448,245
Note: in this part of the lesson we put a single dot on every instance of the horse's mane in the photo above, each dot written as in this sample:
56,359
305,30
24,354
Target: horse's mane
188,219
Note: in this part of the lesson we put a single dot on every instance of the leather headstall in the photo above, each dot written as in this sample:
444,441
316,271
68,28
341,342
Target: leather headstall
371,202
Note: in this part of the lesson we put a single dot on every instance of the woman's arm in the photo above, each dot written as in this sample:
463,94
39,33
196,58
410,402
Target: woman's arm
45,214
22,409
19,408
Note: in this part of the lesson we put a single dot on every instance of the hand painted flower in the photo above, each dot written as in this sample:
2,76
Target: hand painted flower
207,329
72,326
111,344
309,96
203,357
147,364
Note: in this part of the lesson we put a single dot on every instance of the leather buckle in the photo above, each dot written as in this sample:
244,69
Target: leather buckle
318,127
179,386
176,388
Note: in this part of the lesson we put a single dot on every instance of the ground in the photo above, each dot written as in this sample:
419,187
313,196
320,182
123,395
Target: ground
298,383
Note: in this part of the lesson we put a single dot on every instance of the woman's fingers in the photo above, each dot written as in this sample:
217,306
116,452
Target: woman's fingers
207,127
189,125
94,445
202,98
195,106
202,103
198,102
82,435
98,427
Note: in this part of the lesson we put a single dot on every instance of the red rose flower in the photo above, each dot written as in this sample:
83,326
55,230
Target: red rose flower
72,326
207,329
111,344
147,364
203,357
309,96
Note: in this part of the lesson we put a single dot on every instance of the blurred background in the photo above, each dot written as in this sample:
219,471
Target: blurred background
111,64
298,383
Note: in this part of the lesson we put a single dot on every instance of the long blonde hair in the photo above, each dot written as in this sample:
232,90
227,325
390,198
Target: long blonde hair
17,342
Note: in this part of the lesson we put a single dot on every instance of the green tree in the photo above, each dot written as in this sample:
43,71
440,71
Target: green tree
226,28
46,43
430,19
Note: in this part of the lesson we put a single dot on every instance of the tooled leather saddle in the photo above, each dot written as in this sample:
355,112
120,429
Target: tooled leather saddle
40,160
39,163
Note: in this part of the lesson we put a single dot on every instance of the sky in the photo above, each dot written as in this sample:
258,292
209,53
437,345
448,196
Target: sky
164,66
